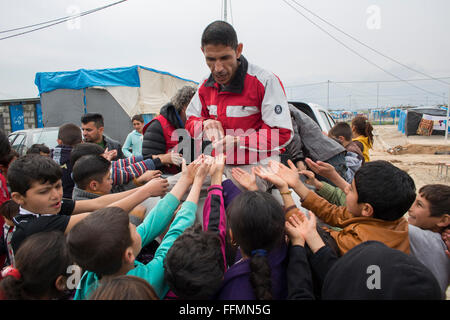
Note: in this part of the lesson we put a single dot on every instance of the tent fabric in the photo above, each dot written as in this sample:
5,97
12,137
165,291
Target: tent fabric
83,78
118,94
414,116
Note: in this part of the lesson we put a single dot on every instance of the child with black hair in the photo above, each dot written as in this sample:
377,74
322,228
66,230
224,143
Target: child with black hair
376,201
428,217
256,224
36,186
8,210
195,264
123,171
40,272
106,244
92,176
69,135
342,133
39,148
124,288
362,133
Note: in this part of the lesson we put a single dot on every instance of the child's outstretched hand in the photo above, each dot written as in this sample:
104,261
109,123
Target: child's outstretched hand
311,179
288,174
156,187
203,169
188,171
269,175
245,179
218,165
293,229
322,168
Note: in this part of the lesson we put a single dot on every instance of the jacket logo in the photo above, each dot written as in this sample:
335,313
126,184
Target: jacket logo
278,109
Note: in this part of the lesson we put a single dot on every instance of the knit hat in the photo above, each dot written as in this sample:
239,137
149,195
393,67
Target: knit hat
373,271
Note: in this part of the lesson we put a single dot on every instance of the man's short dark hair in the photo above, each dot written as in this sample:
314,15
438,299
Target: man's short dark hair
70,134
88,168
341,129
220,33
37,148
194,265
32,168
388,189
438,196
97,118
83,149
98,242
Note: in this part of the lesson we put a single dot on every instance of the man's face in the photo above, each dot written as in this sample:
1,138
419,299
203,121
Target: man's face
91,133
222,61
419,214
42,198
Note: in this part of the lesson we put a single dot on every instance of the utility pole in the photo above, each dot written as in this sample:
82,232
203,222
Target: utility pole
378,91
446,120
225,5
328,95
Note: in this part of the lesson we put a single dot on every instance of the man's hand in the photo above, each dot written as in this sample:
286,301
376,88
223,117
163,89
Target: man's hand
226,143
245,179
213,130
156,187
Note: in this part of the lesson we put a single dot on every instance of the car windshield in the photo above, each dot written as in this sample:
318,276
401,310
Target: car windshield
46,137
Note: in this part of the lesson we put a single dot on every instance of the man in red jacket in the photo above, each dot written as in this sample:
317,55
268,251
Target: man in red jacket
241,107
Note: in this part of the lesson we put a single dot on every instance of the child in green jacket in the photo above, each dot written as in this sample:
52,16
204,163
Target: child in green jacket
106,244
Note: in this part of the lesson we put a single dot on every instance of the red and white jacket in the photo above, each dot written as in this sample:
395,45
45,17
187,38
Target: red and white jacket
253,106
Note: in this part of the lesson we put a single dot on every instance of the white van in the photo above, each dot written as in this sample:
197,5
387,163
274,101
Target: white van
318,113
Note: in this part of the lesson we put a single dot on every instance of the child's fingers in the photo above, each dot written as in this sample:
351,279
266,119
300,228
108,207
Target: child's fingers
294,220
292,165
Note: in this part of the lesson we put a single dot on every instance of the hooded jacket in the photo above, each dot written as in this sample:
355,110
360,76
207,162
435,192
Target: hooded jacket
366,146
160,135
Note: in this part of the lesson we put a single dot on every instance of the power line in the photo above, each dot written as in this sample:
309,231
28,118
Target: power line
361,81
56,21
355,52
367,46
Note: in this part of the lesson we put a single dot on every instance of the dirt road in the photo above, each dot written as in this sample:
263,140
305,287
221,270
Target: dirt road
414,154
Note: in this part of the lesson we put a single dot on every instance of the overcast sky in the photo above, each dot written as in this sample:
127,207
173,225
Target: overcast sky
165,35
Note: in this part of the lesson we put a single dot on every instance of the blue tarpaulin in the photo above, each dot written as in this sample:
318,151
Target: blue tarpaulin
17,121
80,79
84,78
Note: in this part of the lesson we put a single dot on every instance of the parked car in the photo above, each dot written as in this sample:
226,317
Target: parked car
22,140
318,113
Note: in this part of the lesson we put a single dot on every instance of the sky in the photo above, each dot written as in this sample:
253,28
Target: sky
165,35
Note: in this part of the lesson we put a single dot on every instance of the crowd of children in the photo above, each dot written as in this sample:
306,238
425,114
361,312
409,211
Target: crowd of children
74,207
